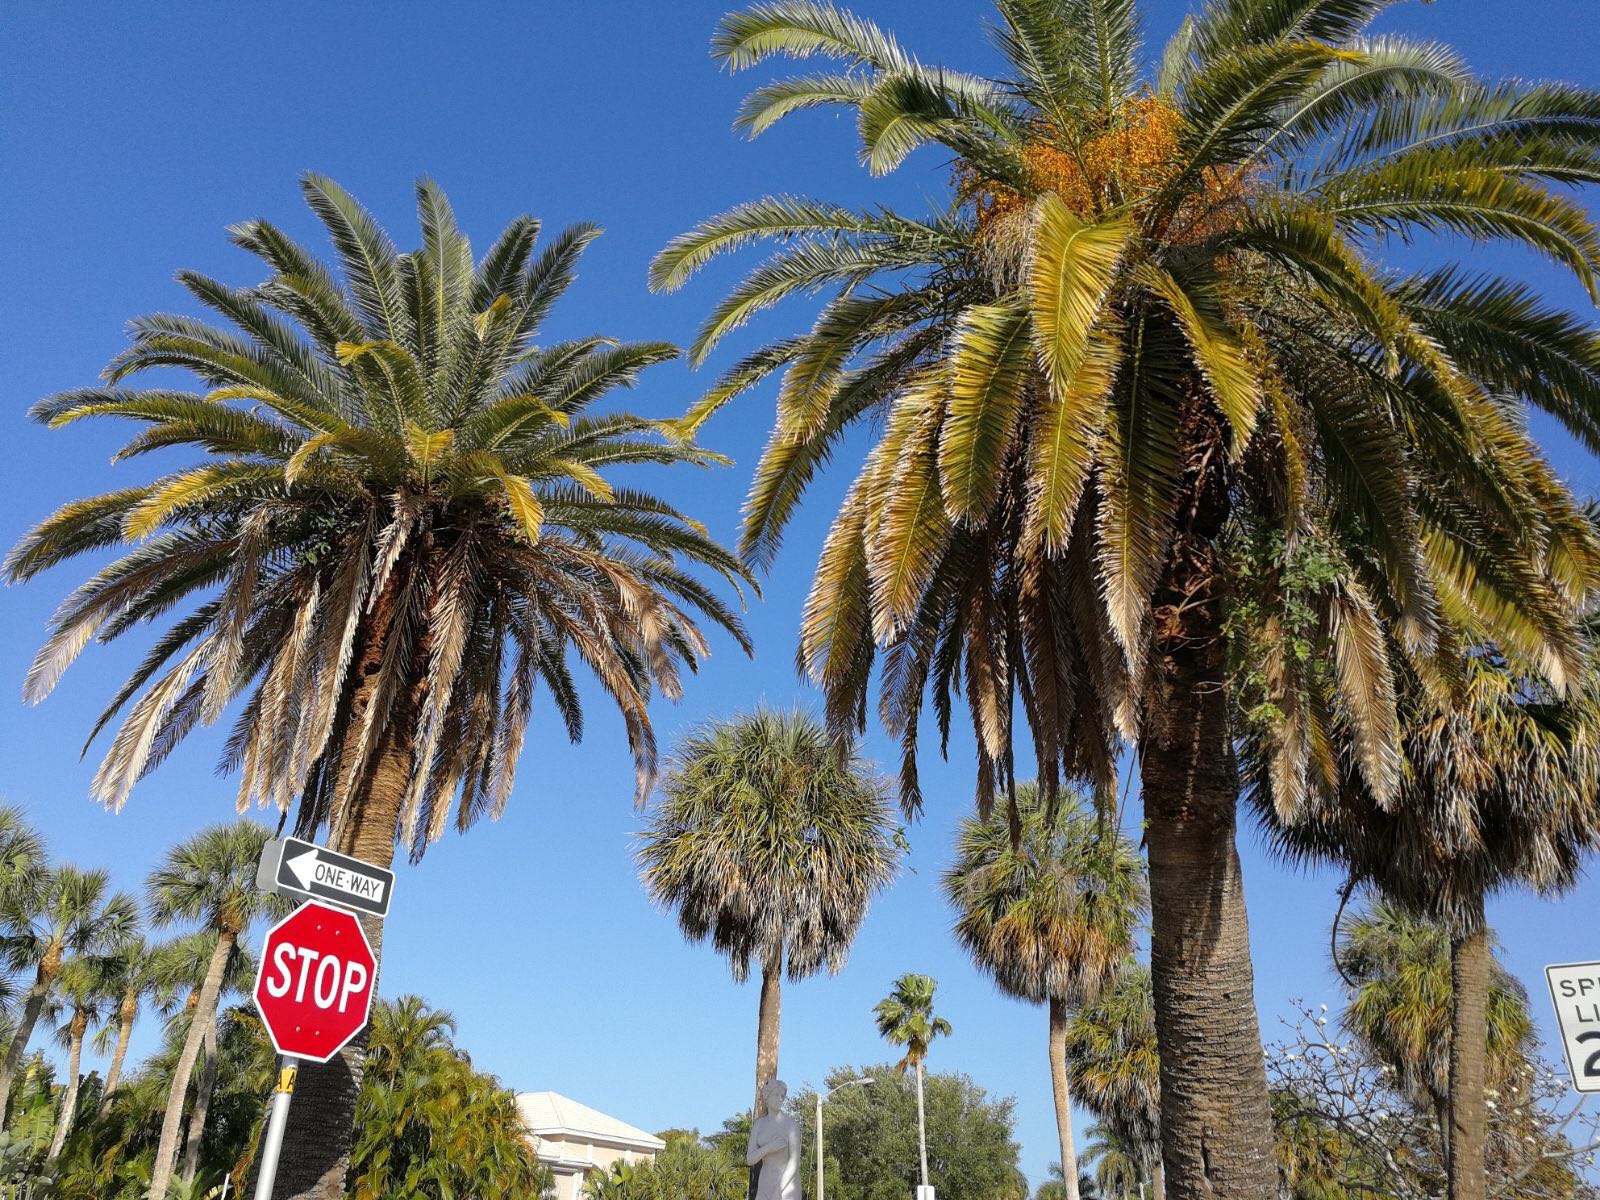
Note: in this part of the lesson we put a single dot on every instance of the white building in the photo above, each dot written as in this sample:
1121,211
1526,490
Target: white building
573,1139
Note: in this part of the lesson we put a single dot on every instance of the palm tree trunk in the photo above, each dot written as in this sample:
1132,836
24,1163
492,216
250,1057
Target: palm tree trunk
202,1105
126,1015
205,1012
322,1114
768,1023
32,1006
1158,1180
1063,1096
1216,1120
1469,1037
69,1099
922,1128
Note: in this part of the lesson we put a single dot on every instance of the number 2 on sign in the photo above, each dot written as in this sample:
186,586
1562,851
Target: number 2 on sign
1591,1065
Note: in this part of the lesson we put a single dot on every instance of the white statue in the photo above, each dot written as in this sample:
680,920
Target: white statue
774,1153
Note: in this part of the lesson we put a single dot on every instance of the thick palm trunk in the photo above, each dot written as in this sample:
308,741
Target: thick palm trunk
126,1015
1063,1096
322,1112
205,1012
1216,1119
33,1005
202,1105
922,1128
1469,1051
69,1099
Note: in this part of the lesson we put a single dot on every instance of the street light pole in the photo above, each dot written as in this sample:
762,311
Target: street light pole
821,1096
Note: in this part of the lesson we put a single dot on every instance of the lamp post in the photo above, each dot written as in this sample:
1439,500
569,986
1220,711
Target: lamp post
821,1096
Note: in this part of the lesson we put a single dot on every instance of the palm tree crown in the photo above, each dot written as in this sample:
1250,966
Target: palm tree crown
210,878
905,1017
770,842
1052,913
400,526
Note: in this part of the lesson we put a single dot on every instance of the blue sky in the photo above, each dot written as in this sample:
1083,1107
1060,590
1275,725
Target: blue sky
132,135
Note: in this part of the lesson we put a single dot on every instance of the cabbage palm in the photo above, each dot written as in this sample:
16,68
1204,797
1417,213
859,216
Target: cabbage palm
771,843
1153,319
132,975
905,1018
208,878
64,912
1120,1167
402,522
82,996
1114,1066
1500,789
1050,913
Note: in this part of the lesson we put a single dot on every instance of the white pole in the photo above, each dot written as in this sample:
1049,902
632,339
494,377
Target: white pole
922,1131
819,1145
272,1142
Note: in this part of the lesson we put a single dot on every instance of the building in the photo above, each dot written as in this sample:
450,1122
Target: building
573,1139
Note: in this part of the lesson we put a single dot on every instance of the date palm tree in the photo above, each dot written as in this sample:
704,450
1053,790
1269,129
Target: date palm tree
905,1018
1153,316
1115,1068
132,976
402,524
63,913
208,878
1050,913
769,841
1500,789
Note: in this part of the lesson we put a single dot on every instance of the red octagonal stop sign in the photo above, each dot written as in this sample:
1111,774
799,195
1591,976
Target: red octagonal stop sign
314,983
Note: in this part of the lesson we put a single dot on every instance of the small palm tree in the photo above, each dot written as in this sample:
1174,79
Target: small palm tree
1050,913
770,841
82,995
209,878
905,1018
1120,1167
1115,1067
1401,1004
63,912
132,975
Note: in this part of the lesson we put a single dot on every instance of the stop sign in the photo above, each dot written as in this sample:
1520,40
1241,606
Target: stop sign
314,983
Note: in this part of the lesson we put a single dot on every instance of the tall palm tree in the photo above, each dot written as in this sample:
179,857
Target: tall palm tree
189,961
1500,789
1115,1067
1050,913
132,975
402,524
1152,319
209,878
771,842
1400,977
82,993
905,1018
63,913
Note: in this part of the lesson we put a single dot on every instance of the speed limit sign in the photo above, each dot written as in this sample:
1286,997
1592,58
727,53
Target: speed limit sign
1575,988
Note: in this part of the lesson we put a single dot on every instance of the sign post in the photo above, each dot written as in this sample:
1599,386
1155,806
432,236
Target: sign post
1575,990
314,988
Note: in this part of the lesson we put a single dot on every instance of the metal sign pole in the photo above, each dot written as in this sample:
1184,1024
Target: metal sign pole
272,1142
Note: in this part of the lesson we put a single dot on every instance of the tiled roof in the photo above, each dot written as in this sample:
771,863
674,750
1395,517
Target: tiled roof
550,1114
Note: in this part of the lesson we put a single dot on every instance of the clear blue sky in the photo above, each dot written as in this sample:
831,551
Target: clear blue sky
131,135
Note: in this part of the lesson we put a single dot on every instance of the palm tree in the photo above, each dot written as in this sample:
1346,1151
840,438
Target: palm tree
1120,1167
401,526
209,878
905,1018
1400,977
22,856
83,991
1050,913
64,912
770,841
1152,321
132,974
1500,789
1115,1068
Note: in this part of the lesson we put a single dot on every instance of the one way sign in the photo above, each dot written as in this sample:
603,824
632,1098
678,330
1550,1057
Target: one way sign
1575,988
291,867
